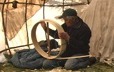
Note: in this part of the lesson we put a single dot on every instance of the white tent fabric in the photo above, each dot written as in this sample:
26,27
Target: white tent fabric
14,18
99,16
2,42
50,13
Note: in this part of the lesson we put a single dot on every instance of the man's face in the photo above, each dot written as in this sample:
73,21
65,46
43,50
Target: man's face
69,20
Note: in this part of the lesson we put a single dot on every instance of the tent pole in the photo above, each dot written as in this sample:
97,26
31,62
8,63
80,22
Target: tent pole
88,2
26,24
44,15
63,5
15,47
4,28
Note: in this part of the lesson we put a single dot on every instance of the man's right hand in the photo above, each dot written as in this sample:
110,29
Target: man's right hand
43,24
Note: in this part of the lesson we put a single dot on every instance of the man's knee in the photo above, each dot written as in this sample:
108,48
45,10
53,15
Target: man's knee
49,64
75,64
69,65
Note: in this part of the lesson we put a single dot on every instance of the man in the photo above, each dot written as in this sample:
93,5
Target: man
77,35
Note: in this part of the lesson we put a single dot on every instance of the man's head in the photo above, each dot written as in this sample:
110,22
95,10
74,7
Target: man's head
69,16
68,12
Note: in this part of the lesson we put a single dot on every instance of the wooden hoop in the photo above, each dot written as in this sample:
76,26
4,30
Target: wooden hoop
38,48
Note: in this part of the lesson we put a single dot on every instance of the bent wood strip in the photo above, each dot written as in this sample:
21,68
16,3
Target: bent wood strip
74,57
38,48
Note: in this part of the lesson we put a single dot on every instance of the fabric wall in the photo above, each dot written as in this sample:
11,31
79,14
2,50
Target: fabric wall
2,42
21,37
14,18
49,13
99,16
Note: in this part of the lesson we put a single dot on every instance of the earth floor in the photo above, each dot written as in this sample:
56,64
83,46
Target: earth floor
98,67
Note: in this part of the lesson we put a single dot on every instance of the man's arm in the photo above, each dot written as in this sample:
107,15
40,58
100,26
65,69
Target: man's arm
81,40
53,33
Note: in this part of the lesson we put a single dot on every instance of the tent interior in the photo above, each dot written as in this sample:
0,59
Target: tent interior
18,19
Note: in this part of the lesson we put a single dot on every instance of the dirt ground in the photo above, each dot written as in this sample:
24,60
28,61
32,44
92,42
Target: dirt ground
98,67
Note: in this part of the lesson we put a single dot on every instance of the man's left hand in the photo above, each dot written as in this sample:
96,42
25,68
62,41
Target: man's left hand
64,35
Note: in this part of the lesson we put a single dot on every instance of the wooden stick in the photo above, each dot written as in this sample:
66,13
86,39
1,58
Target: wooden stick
74,57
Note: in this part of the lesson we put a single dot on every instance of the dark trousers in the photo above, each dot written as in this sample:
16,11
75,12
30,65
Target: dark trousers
69,64
32,60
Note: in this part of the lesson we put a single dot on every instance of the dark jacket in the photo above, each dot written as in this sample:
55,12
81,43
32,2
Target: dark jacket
80,35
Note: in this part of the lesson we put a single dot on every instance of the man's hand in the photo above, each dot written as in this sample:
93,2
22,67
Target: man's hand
43,24
64,35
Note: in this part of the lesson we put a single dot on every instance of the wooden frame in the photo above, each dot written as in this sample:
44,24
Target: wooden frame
39,49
